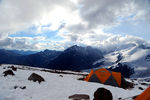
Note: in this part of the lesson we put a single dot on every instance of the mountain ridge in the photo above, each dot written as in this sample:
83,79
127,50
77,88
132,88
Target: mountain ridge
133,58
76,58
133,61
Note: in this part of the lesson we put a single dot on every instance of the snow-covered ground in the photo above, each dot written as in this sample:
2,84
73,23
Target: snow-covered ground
55,86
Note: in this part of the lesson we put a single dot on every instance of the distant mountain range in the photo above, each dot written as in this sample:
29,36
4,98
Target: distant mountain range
76,58
131,60
73,58
22,52
36,59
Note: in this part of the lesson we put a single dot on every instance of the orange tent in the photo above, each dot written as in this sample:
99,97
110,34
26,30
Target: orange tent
145,95
104,76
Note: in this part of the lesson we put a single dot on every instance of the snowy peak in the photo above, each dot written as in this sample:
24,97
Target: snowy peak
136,59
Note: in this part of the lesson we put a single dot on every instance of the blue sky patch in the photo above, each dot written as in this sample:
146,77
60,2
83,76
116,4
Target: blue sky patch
131,28
31,32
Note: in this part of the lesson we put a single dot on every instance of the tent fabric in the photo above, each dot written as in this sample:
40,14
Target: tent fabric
104,76
94,79
117,77
145,95
89,76
111,81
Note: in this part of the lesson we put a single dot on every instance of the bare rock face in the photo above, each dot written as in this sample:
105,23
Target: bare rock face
13,68
79,97
126,85
8,72
102,94
35,77
21,87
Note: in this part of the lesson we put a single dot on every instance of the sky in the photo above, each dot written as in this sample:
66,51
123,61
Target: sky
59,24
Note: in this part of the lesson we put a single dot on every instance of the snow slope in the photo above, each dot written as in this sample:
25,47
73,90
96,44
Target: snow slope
54,87
137,57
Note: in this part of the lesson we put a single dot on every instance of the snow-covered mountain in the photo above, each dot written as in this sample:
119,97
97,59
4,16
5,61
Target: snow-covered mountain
135,58
57,86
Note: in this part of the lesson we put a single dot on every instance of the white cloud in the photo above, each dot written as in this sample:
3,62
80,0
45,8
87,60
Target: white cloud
97,13
18,15
105,41
78,22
